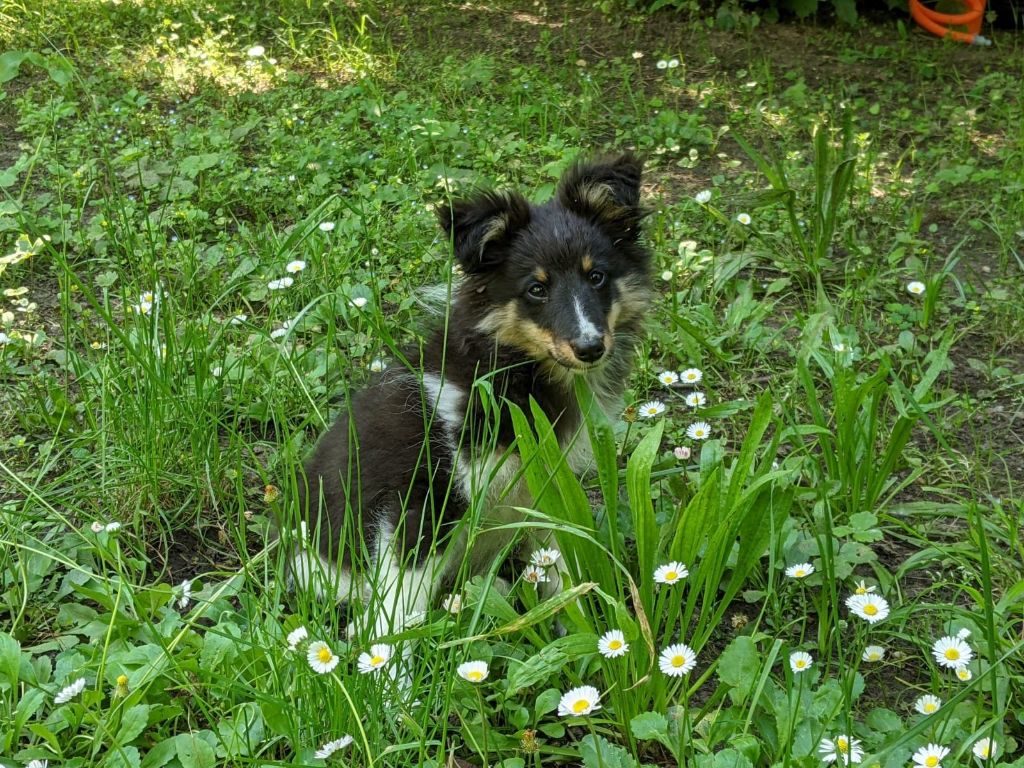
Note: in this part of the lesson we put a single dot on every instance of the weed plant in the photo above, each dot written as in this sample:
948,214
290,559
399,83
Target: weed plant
801,539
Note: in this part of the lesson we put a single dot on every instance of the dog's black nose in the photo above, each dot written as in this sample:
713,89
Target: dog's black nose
588,350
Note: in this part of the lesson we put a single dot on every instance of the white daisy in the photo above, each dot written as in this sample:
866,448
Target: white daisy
915,287
928,704
668,378
359,302
473,671
699,430
297,636
677,660
673,63
703,197
96,527
652,408
256,51
278,333
743,218
800,661
964,633
37,764
681,452
280,283
670,573
666,275
326,226
843,749
295,266
377,365
545,557
985,749
379,655
238,319
612,644
331,747
580,701
952,652
662,64
873,653
800,570
964,674
930,756
113,527
863,589
638,54
186,593
321,658
691,376
452,604
534,574
696,399
67,694
871,608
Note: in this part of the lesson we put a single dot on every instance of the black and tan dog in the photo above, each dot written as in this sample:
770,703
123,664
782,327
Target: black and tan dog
548,293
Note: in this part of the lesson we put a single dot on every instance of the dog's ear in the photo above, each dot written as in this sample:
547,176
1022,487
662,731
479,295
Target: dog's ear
606,192
482,227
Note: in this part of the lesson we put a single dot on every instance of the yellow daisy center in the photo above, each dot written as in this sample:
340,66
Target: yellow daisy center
870,609
799,572
929,707
984,751
801,663
325,655
952,654
376,661
678,660
122,680
671,575
699,432
581,705
614,645
842,744
964,673
931,761
475,675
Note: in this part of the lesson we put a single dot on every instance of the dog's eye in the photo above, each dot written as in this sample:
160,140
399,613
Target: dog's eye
537,291
597,278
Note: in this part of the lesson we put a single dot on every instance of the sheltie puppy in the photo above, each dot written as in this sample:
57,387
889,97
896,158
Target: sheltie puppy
548,293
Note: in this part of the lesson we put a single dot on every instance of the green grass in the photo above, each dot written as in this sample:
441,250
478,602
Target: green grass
856,426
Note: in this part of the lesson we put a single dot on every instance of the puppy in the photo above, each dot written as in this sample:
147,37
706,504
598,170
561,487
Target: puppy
548,293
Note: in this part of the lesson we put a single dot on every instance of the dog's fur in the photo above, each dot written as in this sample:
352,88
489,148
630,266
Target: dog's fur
549,293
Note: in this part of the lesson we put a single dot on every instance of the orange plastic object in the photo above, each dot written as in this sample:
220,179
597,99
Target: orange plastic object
941,23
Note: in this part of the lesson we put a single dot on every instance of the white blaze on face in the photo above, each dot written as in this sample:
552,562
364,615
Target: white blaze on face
586,329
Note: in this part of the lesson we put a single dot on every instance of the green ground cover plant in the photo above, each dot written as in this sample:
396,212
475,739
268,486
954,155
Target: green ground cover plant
801,542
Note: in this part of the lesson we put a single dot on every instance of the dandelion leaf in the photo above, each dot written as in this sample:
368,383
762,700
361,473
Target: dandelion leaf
727,758
123,757
133,723
651,726
193,751
738,667
598,752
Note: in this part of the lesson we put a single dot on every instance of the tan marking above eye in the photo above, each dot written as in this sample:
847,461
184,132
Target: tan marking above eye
588,263
540,275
